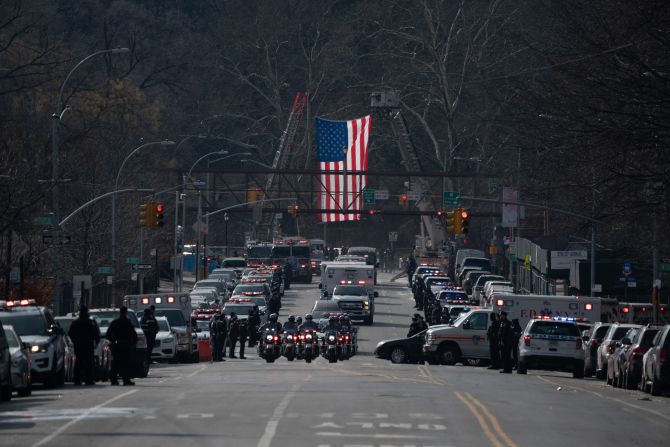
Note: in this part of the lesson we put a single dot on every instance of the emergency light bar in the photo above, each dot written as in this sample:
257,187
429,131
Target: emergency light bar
21,302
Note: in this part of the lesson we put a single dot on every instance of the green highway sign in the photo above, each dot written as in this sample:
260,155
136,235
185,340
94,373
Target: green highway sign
451,198
665,267
43,220
104,270
133,260
369,196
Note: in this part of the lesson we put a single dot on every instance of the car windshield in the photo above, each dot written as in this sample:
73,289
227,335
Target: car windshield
554,328
474,262
259,252
203,325
239,309
163,325
32,324
453,296
104,318
284,251
174,316
225,275
258,300
438,282
12,341
234,263
350,290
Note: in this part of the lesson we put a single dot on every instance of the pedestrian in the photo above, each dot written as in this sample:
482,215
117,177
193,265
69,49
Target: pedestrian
506,339
122,337
150,328
85,335
244,333
494,348
436,314
233,333
218,337
411,268
517,330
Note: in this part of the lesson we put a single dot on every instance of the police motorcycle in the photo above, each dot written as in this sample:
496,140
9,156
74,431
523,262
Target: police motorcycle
308,341
347,338
331,349
289,345
270,346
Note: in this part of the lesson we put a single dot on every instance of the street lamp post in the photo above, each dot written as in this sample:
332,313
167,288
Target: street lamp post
55,122
116,187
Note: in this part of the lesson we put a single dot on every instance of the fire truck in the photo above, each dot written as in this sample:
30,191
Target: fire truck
295,252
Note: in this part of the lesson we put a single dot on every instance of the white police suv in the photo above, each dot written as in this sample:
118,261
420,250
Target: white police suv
36,327
553,344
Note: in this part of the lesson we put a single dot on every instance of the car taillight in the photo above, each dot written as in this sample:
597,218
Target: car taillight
526,340
578,345
639,351
595,342
610,348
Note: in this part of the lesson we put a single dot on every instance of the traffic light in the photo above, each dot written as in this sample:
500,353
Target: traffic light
404,201
451,222
461,221
159,210
144,214
294,209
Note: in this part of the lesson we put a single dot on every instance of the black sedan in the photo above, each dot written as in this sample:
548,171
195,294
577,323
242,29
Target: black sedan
402,350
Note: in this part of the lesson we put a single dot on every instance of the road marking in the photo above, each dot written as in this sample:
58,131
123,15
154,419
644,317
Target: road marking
493,420
195,416
80,417
623,402
197,371
482,423
371,436
271,426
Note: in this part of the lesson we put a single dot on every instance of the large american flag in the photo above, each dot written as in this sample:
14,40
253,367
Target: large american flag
339,192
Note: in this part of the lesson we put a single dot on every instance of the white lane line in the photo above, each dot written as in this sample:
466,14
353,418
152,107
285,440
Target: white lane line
80,417
271,427
197,371
371,436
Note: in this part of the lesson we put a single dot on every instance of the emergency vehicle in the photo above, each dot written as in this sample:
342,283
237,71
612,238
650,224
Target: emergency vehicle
642,313
465,340
295,252
526,307
177,308
341,273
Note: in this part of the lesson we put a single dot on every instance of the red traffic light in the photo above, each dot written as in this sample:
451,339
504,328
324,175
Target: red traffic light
464,214
160,208
372,212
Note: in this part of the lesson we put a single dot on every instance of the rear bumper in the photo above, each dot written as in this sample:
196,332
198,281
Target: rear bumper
551,363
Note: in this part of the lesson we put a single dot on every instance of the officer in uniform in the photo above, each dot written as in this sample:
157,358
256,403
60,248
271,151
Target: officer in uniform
291,325
506,339
233,333
415,326
309,324
253,322
494,347
122,336
218,336
271,325
150,328
244,333
85,335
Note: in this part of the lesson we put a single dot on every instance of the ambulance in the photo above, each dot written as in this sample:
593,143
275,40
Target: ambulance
336,273
176,307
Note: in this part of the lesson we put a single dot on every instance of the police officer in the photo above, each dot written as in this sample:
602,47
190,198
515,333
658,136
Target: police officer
517,330
309,324
253,322
333,324
85,335
244,333
271,325
433,313
233,333
298,322
122,336
218,336
291,325
411,268
494,345
150,328
415,326
274,304
506,339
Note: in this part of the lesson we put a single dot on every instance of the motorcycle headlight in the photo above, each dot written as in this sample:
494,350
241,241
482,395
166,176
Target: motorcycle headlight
39,348
331,338
268,338
289,337
308,336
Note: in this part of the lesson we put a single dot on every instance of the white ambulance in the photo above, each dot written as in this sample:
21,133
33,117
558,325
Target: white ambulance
334,273
526,307
176,307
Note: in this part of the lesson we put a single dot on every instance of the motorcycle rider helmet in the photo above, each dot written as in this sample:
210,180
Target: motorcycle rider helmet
308,317
342,318
291,319
332,319
273,317
299,320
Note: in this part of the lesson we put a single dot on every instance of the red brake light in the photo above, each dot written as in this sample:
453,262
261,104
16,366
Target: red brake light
610,348
639,351
526,340
626,310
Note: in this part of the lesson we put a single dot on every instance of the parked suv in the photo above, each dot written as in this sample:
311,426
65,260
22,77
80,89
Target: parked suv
553,344
591,344
656,364
630,366
36,327
608,345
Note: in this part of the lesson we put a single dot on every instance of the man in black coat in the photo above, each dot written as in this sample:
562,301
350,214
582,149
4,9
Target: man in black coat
233,333
506,338
85,335
494,345
217,332
150,328
122,336
244,333
253,323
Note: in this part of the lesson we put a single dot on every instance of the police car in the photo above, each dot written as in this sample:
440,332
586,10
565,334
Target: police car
551,343
37,328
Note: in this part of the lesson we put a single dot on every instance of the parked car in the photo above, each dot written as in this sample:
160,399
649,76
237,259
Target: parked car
20,354
656,364
629,371
402,350
606,348
5,366
620,349
591,344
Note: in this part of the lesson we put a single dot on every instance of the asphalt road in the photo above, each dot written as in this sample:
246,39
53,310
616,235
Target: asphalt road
360,402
